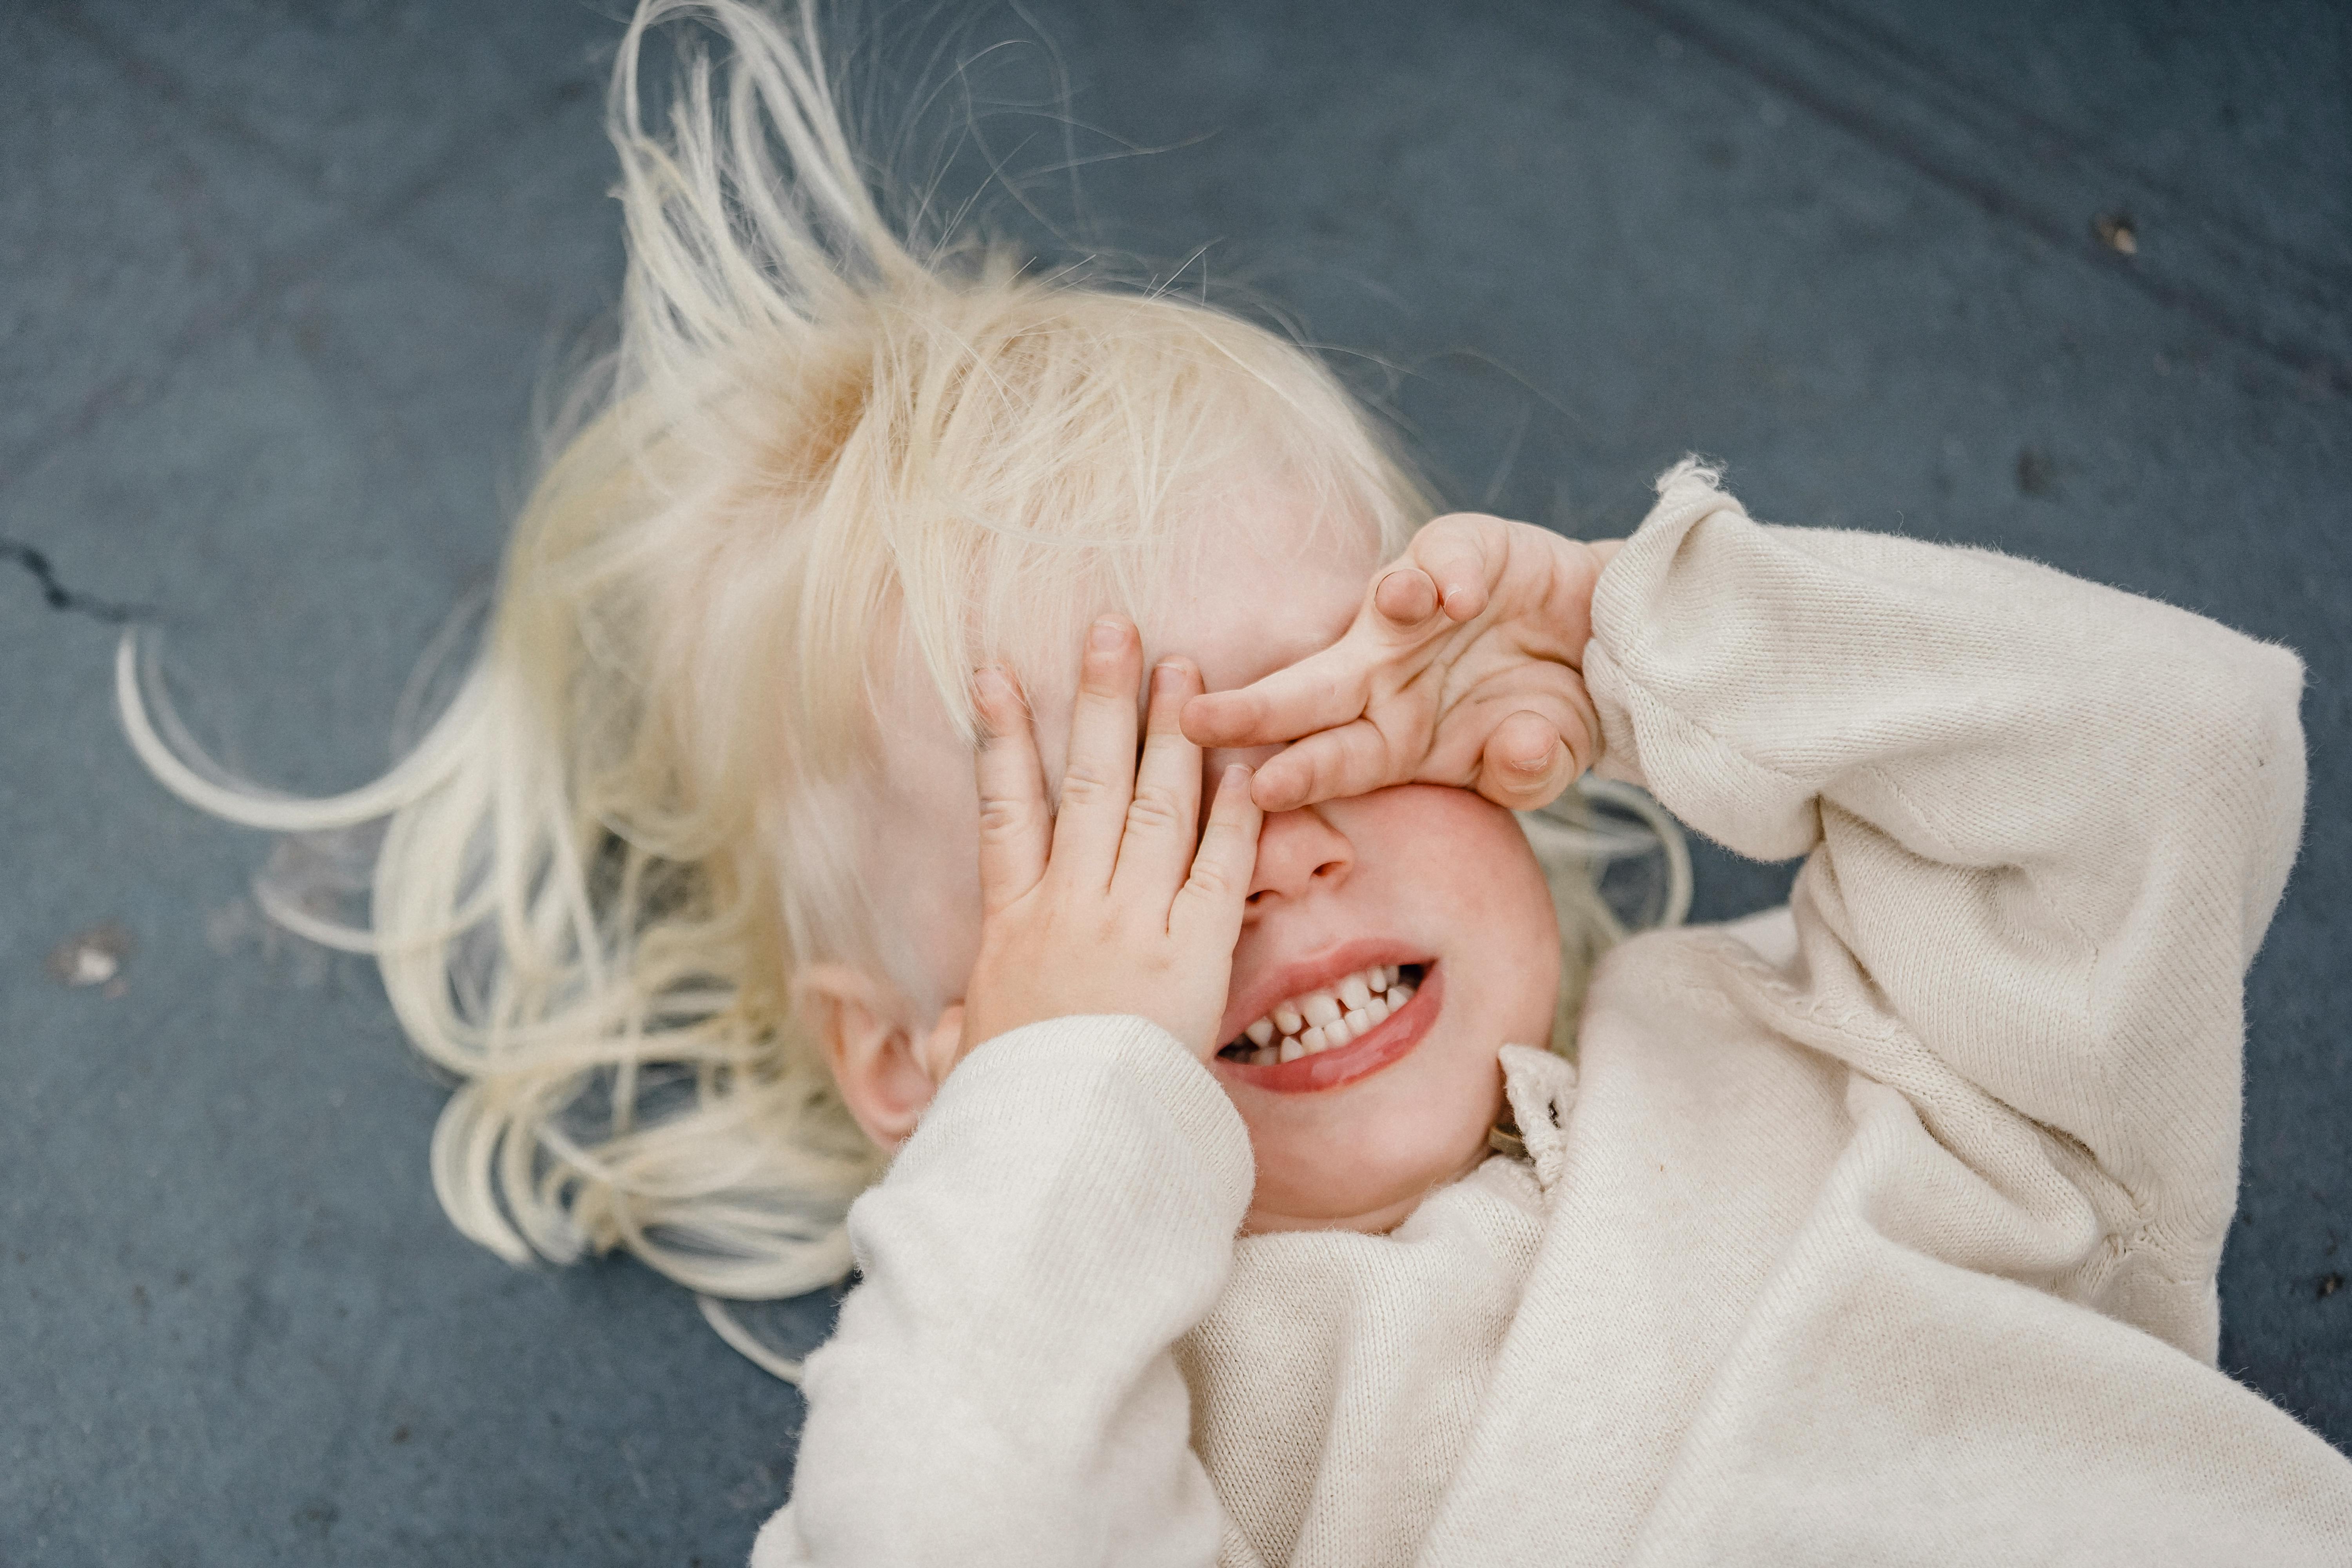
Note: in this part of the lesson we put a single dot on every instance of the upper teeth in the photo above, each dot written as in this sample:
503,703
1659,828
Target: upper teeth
1329,1017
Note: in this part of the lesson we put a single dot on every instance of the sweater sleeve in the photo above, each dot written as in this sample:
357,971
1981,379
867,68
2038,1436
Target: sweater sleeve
1001,1387
2046,825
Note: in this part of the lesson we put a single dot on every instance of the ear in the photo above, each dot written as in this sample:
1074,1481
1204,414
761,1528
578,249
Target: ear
873,1055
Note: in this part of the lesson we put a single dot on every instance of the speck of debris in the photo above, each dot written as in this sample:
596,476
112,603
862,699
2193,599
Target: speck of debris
2329,1284
2115,231
400,1433
2037,472
93,957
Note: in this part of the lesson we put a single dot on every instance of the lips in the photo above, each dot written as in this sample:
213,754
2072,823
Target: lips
1377,1047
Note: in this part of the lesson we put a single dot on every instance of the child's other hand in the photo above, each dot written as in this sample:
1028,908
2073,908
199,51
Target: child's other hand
1106,906
1463,667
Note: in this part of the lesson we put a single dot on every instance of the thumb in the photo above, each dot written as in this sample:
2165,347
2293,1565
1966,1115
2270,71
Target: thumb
1525,764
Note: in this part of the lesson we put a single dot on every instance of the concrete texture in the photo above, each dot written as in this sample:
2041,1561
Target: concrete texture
277,279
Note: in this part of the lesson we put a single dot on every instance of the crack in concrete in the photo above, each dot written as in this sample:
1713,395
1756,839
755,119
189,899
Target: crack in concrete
1986,164
57,596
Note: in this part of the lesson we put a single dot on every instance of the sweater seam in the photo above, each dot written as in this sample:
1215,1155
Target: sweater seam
2143,1216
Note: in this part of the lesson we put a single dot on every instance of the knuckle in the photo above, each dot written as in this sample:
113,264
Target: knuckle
1209,880
1084,784
1521,791
1002,819
1153,808
1105,684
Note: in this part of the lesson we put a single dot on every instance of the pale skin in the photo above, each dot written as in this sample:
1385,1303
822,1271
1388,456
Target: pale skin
1390,726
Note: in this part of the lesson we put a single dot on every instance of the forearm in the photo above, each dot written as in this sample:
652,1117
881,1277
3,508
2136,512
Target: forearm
2049,820
1000,1387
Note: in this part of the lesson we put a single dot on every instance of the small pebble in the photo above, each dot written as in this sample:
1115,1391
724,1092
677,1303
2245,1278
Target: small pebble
93,957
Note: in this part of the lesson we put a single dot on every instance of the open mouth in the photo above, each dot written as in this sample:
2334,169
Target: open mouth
1339,1032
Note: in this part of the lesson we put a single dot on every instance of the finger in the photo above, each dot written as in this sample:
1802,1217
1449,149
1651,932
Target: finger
1406,595
1463,556
1318,691
1166,810
1527,764
1014,824
1100,777
1354,759
1208,908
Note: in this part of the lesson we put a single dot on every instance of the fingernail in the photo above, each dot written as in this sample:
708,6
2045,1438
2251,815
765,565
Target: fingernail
1106,636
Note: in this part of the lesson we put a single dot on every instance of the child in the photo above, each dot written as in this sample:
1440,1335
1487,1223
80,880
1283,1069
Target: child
1228,1215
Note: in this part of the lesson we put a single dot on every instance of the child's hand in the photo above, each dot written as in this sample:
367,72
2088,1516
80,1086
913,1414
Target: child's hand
1463,667
1105,907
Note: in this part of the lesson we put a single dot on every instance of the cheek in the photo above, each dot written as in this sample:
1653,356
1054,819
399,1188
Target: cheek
1464,861
925,893
1517,944
942,927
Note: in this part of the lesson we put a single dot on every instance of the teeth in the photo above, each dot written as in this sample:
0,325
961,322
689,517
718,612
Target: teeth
1324,1020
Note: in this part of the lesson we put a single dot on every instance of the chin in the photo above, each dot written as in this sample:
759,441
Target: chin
1362,1158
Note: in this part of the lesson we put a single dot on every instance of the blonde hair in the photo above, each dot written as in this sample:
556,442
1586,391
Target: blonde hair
828,448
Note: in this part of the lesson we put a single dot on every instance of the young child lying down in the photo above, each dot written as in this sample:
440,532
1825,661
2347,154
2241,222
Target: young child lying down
1248,1200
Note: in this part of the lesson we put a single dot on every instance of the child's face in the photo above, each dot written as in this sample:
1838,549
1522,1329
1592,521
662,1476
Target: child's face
1433,881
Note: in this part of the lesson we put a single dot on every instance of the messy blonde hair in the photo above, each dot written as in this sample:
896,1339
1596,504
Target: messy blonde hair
832,446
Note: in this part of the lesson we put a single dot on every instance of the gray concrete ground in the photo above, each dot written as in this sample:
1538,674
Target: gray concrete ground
277,279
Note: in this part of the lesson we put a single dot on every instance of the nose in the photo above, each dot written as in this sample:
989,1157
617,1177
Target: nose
1297,852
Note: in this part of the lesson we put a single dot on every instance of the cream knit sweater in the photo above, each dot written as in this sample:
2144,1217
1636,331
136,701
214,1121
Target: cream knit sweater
1877,1229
